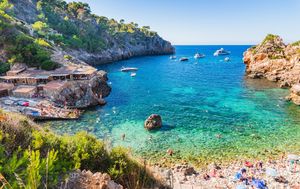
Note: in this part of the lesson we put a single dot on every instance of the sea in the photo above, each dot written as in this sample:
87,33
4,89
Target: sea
210,110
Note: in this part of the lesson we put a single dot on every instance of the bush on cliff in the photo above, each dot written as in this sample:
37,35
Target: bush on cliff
29,51
4,67
269,37
31,157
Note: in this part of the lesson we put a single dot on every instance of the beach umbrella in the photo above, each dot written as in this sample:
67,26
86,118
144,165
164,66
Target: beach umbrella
271,172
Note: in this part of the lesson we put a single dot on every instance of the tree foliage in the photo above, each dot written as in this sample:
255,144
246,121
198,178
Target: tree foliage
32,158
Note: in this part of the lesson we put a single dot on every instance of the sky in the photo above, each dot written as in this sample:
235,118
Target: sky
196,22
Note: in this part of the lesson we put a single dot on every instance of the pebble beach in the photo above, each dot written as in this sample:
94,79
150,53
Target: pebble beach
273,174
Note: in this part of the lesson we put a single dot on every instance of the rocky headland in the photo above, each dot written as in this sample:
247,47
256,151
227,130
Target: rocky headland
113,40
276,61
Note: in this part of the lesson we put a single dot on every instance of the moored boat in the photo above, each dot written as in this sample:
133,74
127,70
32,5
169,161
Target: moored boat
128,69
199,55
183,59
221,52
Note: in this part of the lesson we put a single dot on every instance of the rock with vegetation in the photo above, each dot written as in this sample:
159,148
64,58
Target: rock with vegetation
275,61
71,27
154,121
34,157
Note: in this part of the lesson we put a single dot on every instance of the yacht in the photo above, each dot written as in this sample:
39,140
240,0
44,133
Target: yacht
173,57
199,55
183,59
133,74
128,69
221,51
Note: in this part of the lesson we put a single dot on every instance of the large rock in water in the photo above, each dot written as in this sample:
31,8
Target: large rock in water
153,122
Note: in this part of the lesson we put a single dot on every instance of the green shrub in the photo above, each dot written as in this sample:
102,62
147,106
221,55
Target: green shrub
29,51
31,157
4,67
269,37
297,43
42,42
67,57
48,65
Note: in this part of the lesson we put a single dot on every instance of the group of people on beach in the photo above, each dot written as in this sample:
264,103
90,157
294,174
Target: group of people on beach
250,175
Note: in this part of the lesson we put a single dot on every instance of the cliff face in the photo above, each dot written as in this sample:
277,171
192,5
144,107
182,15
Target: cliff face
276,61
82,94
88,37
154,46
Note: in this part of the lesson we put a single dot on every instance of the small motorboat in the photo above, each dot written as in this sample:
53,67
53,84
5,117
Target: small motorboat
199,55
173,57
221,51
128,69
183,59
133,74
227,59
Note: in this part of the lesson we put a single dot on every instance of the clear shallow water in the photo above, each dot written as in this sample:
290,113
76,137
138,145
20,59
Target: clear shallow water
197,101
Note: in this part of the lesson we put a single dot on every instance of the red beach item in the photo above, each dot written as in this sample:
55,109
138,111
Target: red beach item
26,104
248,164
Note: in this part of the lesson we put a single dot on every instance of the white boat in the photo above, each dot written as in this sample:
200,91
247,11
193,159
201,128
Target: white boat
227,59
128,69
173,57
183,59
221,52
133,74
199,55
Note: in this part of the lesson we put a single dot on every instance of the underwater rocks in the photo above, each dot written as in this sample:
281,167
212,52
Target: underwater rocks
277,62
86,180
154,121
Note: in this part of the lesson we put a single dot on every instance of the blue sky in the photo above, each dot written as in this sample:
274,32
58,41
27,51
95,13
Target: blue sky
208,21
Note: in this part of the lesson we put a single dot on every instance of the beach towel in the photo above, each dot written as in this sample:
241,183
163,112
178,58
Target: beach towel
259,184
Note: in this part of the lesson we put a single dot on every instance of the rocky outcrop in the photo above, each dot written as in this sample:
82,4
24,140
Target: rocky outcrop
295,94
85,93
153,122
275,61
88,180
25,10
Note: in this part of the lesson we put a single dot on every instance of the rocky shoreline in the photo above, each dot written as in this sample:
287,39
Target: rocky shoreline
277,62
156,46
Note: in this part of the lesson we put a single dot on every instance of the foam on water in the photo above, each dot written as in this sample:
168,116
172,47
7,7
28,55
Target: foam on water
197,102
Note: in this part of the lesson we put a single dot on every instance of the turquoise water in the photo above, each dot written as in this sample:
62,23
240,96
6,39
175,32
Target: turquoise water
197,101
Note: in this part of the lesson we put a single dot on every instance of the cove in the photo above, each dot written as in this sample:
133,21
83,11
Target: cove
198,101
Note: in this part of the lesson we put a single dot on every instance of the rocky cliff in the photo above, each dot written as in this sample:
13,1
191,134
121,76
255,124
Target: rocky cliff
85,93
88,37
276,61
